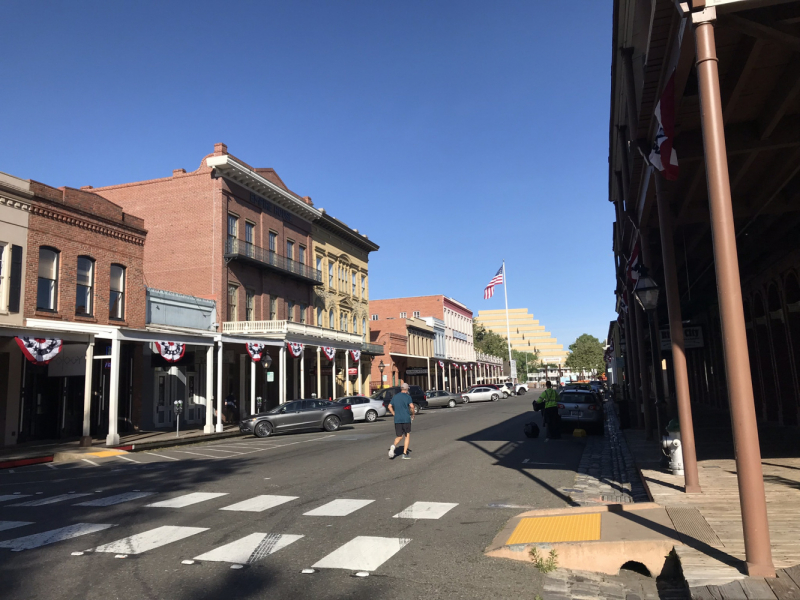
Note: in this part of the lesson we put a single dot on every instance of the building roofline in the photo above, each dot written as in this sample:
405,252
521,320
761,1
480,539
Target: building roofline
351,235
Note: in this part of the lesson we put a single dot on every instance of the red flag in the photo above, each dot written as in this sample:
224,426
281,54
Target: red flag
663,156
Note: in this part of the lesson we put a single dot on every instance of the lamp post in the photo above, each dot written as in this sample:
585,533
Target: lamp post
646,293
381,367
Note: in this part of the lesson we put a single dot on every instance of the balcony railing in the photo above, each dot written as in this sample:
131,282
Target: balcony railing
374,349
280,329
241,250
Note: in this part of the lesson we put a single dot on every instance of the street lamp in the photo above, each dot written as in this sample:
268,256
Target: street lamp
381,367
646,291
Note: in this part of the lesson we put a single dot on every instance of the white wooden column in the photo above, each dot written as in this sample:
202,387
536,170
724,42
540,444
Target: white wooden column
209,427
282,376
294,377
219,387
333,376
428,360
360,380
319,372
347,372
252,386
303,373
450,377
87,395
112,439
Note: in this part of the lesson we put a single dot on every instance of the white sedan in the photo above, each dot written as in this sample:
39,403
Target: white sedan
364,408
479,394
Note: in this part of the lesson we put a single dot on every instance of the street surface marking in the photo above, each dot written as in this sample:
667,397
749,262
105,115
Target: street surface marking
129,459
91,462
250,548
29,542
259,503
149,540
363,553
8,497
187,500
51,465
50,500
197,454
426,510
570,528
5,525
214,449
118,499
338,508
162,456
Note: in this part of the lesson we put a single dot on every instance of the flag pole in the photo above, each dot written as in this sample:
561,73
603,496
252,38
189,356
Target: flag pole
508,326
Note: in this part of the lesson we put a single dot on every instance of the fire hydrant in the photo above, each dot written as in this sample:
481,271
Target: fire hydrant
671,447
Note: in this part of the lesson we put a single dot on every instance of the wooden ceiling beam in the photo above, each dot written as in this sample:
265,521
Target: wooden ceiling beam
781,98
741,138
698,180
760,30
744,60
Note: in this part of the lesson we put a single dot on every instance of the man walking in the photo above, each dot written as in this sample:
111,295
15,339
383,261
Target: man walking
402,408
552,420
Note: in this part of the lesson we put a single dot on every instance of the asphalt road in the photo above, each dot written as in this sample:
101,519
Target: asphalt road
245,528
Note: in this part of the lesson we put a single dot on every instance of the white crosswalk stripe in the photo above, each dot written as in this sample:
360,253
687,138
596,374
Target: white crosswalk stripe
9,497
37,540
363,553
187,500
341,507
50,500
117,499
250,548
5,525
149,540
426,510
259,503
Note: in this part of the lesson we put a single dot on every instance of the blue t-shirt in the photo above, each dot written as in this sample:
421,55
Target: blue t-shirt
402,412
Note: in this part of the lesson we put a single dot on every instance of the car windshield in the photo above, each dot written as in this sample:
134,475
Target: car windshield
574,398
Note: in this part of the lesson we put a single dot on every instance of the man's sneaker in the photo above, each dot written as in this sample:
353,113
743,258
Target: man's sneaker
406,457
391,451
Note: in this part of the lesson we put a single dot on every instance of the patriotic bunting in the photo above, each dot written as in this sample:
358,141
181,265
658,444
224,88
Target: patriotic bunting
441,364
634,263
255,349
171,351
39,351
356,354
295,348
329,352
663,156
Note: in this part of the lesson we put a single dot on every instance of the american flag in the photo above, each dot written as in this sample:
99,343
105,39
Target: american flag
488,292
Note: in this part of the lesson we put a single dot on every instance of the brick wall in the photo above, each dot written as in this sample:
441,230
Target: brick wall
78,223
428,306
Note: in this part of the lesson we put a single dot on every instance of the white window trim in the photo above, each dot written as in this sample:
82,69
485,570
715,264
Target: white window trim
5,275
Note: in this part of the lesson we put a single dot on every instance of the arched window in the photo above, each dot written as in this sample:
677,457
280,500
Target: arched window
84,291
363,327
355,324
319,316
330,319
47,288
116,297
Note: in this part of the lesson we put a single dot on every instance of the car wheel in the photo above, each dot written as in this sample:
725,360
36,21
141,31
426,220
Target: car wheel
370,416
452,403
263,429
521,392
495,397
466,399
331,423
416,409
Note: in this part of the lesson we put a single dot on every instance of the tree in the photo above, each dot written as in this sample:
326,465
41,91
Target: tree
488,341
527,362
586,354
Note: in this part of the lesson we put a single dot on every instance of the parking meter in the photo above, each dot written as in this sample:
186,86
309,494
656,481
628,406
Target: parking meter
177,407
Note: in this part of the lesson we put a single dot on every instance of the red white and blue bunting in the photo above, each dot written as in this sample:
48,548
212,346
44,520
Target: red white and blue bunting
171,351
329,352
464,367
441,364
255,350
295,348
39,351
356,354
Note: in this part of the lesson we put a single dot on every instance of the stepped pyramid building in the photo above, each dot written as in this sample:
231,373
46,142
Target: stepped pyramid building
526,333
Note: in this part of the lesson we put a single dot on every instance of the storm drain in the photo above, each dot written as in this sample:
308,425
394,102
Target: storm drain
691,525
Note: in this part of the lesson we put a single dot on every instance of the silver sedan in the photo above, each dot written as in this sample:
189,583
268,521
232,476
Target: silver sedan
364,409
481,394
443,398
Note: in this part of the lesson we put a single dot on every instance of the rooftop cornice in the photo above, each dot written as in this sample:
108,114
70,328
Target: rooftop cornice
15,203
120,231
336,226
240,174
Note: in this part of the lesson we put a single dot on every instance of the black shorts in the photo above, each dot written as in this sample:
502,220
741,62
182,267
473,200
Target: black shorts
402,428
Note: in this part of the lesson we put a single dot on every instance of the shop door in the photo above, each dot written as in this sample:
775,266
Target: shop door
165,396
192,411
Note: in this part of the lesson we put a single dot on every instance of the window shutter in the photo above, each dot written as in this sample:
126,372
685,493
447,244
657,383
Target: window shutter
15,280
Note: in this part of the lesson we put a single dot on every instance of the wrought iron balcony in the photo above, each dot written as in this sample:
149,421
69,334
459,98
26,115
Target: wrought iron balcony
236,249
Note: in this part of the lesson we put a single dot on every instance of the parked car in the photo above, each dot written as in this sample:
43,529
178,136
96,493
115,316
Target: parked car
297,415
364,409
500,388
521,388
417,396
443,398
481,393
509,388
581,408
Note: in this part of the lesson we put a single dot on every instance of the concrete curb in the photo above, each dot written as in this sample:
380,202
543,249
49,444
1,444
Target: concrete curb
24,462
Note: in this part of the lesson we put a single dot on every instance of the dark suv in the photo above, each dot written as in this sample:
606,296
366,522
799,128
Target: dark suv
417,396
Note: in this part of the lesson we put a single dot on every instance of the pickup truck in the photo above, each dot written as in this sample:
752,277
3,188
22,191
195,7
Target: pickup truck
521,388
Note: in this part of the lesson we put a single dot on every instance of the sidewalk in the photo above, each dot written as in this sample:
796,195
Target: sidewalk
41,452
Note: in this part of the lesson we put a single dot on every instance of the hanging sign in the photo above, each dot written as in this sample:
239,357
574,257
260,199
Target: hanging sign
255,349
352,371
329,352
356,354
171,351
295,348
412,371
39,351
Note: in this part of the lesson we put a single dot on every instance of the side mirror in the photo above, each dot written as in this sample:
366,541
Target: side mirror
283,410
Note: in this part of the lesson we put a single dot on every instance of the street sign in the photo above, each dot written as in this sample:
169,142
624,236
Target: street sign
513,373
270,376
692,337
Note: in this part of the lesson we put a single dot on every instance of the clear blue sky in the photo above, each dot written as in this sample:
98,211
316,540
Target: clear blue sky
454,134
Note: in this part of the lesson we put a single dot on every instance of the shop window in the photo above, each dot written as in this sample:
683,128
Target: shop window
116,296
85,287
47,289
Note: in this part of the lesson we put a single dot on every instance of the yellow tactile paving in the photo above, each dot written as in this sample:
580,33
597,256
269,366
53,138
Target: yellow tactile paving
569,528
106,453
